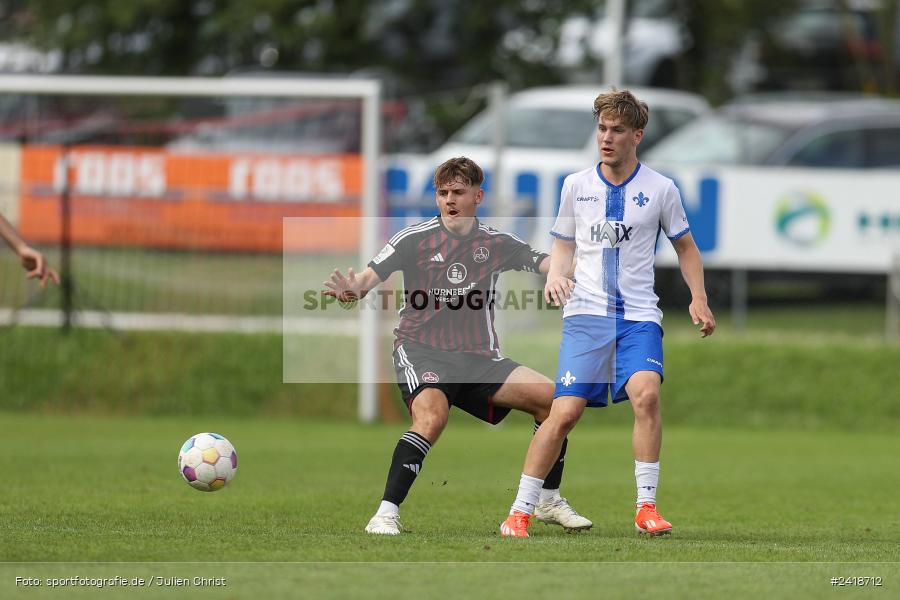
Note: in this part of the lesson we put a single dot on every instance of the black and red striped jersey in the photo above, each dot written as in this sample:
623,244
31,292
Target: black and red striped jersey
449,283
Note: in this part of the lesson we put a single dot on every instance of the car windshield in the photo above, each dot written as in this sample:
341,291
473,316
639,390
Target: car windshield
718,141
824,27
533,128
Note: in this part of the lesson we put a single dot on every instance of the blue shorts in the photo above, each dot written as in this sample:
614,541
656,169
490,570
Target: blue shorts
599,354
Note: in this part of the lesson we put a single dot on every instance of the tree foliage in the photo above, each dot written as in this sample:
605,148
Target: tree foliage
430,43
718,29
424,45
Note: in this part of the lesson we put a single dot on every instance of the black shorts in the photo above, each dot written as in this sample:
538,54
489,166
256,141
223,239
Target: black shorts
468,380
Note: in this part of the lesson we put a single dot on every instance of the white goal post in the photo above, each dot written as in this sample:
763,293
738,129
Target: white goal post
366,90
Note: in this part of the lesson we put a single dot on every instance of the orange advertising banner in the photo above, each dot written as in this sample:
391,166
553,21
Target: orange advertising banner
146,197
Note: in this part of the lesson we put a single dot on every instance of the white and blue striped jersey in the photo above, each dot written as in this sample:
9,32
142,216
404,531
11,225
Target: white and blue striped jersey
615,228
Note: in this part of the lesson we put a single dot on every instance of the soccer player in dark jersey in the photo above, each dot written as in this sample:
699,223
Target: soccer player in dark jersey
446,350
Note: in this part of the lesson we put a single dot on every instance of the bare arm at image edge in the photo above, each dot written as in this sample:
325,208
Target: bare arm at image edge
32,260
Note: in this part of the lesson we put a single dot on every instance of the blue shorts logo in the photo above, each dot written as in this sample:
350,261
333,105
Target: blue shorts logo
567,379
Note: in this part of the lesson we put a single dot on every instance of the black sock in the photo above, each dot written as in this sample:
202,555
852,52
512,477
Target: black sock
554,477
405,466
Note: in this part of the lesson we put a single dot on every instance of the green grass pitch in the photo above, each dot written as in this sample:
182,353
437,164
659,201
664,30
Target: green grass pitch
756,513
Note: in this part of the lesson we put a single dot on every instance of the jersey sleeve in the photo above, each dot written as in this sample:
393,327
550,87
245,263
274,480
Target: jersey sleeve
672,218
564,228
390,259
522,257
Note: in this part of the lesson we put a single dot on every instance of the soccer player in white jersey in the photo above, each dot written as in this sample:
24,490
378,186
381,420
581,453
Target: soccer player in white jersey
609,219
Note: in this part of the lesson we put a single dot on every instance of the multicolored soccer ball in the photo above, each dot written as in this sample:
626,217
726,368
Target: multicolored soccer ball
207,461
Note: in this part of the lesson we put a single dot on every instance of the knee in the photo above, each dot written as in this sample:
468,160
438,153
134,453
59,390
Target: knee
429,423
562,421
645,402
568,420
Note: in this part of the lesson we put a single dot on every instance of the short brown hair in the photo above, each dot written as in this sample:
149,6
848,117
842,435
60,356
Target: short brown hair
462,169
623,105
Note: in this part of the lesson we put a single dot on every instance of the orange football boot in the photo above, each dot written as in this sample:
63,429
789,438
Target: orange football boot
648,521
515,525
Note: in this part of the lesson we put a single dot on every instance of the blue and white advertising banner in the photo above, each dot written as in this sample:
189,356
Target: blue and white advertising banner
795,219
752,218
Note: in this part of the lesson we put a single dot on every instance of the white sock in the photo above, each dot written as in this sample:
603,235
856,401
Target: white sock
549,495
529,492
387,508
647,477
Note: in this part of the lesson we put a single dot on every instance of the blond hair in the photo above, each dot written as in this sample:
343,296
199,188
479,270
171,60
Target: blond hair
621,104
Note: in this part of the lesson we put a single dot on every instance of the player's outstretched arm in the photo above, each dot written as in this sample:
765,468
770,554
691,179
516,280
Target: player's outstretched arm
32,260
559,284
692,270
353,286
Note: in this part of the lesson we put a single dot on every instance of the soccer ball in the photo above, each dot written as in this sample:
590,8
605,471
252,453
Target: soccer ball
207,461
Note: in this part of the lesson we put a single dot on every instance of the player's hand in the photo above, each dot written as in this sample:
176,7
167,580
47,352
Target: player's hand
37,267
343,288
558,290
701,315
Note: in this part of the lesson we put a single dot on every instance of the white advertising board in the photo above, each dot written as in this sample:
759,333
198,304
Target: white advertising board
800,219
814,220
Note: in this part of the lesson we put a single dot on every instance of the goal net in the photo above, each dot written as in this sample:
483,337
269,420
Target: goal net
163,199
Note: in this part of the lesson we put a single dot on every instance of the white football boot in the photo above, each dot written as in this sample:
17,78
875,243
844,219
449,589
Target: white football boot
557,511
384,525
